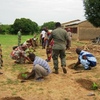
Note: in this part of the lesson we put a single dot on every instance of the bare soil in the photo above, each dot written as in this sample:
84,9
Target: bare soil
75,85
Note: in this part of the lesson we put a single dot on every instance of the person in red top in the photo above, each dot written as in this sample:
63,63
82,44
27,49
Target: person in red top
19,55
49,49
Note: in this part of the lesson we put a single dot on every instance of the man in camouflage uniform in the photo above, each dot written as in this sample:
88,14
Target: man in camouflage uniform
60,37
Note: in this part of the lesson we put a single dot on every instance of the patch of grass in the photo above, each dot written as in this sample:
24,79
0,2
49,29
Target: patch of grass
40,89
19,68
24,75
14,82
94,86
78,43
14,92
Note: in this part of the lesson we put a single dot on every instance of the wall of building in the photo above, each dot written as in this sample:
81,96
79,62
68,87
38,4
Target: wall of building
85,31
88,31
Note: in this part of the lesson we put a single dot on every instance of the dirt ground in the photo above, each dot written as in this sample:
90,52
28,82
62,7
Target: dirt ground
75,85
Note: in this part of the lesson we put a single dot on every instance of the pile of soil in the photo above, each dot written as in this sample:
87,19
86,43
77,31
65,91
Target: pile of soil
87,84
20,76
79,67
12,98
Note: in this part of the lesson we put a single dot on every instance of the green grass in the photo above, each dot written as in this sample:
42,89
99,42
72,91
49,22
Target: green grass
8,40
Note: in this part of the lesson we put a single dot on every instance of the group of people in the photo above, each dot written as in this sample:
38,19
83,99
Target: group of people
21,51
60,38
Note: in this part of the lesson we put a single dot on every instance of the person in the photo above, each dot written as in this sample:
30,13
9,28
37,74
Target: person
20,55
70,35
86,59
59,36
49,49
42,37
19,37
30,43
40,69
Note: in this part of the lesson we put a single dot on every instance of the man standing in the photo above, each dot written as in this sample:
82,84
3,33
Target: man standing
70,35
60,37
19,37
42,36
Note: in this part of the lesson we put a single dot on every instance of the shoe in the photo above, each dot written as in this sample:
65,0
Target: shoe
64,70
40,79
1,73
17,62
89,68
56,72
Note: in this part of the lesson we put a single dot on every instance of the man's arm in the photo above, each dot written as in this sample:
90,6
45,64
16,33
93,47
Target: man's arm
78,62
32,73
29,60
84,57
50,38
68,44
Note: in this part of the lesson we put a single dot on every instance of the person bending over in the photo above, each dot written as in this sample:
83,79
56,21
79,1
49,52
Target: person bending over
86,59
40,67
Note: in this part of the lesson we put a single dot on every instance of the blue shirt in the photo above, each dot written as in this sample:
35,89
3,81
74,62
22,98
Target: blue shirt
42,63
90,61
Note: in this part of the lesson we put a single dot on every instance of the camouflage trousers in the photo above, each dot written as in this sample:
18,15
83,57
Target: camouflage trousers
62,55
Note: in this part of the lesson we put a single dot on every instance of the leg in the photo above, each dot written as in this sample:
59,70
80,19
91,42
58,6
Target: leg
63,60
85,64
40,71
55,54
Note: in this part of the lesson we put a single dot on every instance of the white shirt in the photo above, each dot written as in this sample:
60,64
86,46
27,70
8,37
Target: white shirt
43,33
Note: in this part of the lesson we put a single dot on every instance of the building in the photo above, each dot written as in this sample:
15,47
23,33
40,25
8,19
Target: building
82,30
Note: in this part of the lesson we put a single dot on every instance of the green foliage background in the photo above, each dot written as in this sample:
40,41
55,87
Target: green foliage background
92,11
28,27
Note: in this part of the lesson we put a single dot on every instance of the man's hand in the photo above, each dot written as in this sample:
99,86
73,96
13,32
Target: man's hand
84,57
67,47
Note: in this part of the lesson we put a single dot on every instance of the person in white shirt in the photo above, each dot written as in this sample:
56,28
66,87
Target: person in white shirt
42,36
70,35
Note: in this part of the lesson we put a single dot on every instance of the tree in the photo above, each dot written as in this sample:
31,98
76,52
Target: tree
49,25
5,29
92,11
26,25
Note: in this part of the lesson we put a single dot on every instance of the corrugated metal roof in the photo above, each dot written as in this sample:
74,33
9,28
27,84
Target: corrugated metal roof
73,22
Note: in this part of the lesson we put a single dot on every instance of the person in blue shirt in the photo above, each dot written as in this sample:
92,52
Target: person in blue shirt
85,58
40,68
